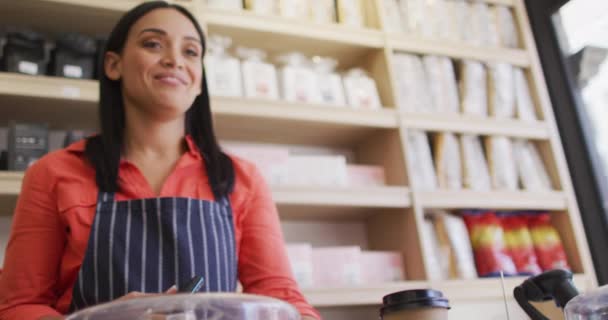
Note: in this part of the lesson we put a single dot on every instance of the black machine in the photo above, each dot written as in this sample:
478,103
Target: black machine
24,51
74,56
26,144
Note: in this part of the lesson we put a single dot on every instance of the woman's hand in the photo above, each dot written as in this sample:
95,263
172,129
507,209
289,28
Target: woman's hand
137,294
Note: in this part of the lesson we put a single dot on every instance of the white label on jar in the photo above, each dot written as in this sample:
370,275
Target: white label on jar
72,71
70,92
28,67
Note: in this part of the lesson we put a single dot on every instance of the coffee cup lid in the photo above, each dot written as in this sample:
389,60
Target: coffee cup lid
413,299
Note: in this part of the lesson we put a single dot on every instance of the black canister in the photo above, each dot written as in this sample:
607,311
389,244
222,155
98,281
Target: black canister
74,56
24,51
422,304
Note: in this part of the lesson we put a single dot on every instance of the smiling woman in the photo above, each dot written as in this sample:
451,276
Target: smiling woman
150,202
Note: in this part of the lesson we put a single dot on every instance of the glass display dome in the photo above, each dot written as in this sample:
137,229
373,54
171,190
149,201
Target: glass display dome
201,306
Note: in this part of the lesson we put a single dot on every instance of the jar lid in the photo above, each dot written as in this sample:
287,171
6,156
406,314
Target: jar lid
413,299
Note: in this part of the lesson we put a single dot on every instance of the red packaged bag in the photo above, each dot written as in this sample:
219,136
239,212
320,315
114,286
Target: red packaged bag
519,245
547,243
487,240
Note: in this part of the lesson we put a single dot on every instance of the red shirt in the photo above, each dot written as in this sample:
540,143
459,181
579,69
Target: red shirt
55,212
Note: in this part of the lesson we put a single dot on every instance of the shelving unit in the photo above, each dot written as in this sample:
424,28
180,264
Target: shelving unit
536,130
10,184
12,84
370,197
299,123
250,29
392,215
515,57
498,200
488,288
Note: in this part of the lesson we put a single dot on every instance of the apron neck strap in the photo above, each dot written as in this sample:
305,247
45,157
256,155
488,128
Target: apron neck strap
105,196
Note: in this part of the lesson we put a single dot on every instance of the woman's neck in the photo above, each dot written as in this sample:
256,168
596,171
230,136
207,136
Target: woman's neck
146,139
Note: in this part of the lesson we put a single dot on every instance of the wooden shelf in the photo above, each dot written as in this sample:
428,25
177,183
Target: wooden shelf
10,186
52,100
405,43
509,3
476,125
14,84
10,182
59,16
476,290
501,200
296,202
92,17
57,101
283,122
490,288
334,203
264,31
114,5
353,296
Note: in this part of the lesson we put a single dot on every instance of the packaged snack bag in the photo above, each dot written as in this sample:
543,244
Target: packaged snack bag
547,243
518,242
487,240
452,233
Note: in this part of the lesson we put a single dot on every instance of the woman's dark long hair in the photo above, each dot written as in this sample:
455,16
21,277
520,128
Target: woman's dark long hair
104,150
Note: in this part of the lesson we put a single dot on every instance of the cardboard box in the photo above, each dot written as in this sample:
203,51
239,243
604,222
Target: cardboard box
300,258
365,176
381,267
336,266
272,161
318,171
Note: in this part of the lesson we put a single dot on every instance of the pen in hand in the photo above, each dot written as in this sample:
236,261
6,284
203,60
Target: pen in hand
193,286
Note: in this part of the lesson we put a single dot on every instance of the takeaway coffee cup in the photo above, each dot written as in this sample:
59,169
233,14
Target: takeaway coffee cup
423,304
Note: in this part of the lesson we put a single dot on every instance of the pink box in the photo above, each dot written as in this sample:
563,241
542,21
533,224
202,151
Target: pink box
317,171
272,161
336,266
381,267
300,258
364,175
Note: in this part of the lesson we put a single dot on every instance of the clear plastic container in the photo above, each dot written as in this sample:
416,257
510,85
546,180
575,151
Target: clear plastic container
203,306
589,306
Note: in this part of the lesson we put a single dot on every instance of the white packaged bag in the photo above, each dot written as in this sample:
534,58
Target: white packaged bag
413,91
298,80
259,77
361,90
448,163
442,82
475,167
531,168
265,7
501,86
222,70
507,30
421,161
523,97
473,88
501,161
328,82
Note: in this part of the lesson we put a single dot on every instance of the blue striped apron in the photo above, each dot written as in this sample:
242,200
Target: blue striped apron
149,245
